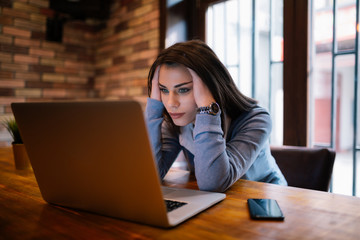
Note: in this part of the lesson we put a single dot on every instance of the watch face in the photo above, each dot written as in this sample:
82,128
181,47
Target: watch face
215,107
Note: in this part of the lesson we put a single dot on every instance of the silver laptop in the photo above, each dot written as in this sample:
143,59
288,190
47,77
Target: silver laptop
96,156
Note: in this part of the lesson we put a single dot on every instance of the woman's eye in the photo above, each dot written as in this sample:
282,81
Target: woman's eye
184,90
164,90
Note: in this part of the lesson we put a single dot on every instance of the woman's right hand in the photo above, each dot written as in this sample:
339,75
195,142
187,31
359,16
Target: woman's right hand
155,90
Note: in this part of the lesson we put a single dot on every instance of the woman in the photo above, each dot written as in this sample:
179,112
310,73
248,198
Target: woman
194,106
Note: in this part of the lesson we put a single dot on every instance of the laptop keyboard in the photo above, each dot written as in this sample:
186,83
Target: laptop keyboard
172,205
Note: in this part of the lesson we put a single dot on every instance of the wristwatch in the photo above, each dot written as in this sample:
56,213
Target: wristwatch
212,109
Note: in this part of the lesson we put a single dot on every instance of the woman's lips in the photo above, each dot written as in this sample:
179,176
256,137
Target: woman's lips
176,115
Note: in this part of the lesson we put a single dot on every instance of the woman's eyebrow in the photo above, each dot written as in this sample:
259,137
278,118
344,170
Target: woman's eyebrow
176,86
181,84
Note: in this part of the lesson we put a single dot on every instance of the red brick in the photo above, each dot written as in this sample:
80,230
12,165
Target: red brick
141,46
5,92
74,64
6,39
29,25
38,35
52,62
28,92
154,24
143,10
54,93
76,79
119,60
16,31
53,46
6,74
66,55
77,93
41,52
11,83
14,67
141,64
38,18
32,76
121,26
6,57
38,84
27,42
40,3
50,77
66,70
132,40
42,68
152,34
153,15
26,7
15,13
8,101
25,59
13,49
75,48
6,20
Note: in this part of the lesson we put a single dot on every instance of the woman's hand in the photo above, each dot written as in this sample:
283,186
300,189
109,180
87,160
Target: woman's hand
202,94
155,90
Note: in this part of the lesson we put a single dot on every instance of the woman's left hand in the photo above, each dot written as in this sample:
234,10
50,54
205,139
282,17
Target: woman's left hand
202,94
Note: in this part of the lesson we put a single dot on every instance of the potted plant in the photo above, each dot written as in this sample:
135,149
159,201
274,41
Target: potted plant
20,155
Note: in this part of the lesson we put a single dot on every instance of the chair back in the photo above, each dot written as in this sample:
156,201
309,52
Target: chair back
305,167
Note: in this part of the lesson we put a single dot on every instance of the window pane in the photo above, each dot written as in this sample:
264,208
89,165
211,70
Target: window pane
277,103
176,24
245,52
242,42
346,25
219,33
277,31
210,26
319,4
234,72
262,52
323,29
358,113
320,86
358,175
344,76
321,99
345,100
232,30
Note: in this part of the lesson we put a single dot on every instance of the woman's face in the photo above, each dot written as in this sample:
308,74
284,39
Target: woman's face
176,87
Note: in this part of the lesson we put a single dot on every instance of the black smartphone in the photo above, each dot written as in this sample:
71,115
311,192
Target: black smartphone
265,209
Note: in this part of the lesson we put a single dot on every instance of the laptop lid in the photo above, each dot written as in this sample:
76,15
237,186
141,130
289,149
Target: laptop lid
94,156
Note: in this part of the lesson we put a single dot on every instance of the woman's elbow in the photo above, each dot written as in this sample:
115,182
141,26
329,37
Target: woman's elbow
212,186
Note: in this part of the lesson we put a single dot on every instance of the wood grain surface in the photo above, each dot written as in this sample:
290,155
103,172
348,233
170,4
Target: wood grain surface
308,214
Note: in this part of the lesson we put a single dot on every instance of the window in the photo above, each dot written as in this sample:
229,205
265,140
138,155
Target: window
334,112
247,36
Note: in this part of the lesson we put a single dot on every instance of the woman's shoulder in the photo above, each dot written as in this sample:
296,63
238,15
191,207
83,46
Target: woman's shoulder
257,117
255,112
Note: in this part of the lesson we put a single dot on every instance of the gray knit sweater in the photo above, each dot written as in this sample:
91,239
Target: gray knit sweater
216,162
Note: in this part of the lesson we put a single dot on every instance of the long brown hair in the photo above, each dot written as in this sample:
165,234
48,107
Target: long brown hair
198,56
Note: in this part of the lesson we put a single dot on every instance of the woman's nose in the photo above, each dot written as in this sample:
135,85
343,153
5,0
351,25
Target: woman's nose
173,100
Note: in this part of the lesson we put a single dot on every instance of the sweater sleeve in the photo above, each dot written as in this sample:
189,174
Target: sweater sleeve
165,144
218,164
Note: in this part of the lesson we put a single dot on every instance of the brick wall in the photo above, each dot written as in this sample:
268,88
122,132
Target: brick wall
128,47
111,62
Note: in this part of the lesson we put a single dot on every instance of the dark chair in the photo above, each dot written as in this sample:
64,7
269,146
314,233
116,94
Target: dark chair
305,167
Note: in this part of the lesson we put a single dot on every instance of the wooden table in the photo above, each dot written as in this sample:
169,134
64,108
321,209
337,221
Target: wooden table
308,214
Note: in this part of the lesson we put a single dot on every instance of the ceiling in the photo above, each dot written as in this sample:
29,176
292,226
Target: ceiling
82,9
